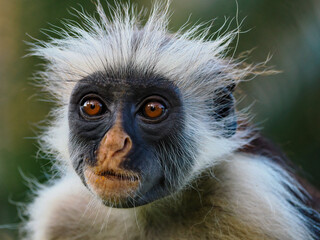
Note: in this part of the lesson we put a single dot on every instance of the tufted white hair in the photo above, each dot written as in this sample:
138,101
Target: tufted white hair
120,43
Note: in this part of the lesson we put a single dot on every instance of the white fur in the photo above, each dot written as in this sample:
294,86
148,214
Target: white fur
67,210
257,188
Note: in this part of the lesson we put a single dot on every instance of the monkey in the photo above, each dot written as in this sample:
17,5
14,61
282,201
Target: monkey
147,142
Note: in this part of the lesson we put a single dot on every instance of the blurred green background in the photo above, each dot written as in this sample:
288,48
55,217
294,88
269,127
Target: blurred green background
285,105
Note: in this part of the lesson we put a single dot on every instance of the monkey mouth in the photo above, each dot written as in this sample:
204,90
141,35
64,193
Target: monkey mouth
112,185
121,176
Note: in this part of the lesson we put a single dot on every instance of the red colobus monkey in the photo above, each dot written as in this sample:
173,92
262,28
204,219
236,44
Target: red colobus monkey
148,144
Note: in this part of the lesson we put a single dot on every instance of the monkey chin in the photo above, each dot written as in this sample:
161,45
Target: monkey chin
115,188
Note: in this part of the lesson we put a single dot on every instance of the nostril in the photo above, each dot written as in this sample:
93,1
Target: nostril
125,147
126,143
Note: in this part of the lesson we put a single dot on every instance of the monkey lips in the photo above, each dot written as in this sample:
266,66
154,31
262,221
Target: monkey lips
110,185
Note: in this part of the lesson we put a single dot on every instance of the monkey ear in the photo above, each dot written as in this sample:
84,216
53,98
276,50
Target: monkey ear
224,110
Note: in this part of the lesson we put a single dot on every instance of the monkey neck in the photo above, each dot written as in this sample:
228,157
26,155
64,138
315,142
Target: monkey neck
202,209
184,207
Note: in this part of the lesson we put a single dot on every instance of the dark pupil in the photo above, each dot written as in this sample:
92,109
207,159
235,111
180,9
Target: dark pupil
92,106
152,108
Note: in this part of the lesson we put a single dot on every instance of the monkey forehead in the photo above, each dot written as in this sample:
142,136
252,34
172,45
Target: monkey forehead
121,90
120,44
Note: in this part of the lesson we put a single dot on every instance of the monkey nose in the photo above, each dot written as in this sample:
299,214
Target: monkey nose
116,143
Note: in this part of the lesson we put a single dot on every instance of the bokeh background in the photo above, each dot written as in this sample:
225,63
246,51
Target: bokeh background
286,105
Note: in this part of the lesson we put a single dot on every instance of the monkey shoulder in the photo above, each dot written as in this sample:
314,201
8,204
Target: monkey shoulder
255,185
66,210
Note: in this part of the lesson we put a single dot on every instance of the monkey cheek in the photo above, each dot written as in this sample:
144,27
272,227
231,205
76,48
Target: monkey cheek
113,190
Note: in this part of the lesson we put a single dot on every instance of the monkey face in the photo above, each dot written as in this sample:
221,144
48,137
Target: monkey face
126,139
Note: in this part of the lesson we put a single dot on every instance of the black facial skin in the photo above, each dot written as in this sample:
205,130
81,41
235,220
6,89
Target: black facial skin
150,139
161,152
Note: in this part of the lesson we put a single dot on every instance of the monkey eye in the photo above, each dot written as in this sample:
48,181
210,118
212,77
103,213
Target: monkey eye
92,107
153,109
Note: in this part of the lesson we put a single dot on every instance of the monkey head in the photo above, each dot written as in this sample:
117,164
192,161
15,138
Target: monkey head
147,111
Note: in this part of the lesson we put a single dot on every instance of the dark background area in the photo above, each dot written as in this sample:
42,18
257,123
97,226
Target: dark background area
285,106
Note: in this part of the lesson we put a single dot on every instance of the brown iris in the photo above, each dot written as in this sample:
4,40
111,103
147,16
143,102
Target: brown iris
92,107
154,110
